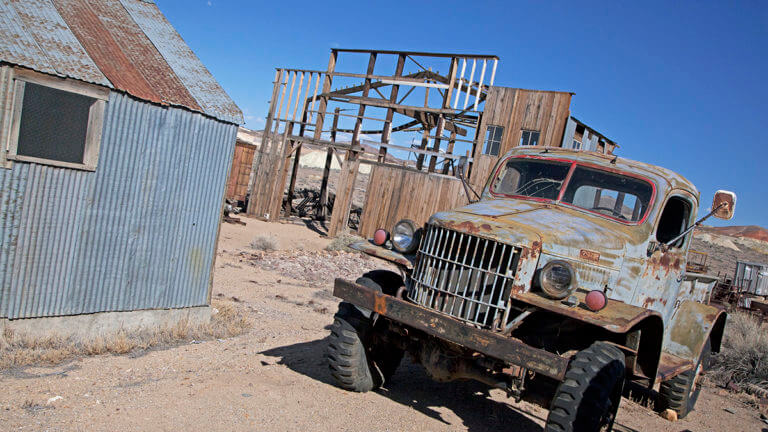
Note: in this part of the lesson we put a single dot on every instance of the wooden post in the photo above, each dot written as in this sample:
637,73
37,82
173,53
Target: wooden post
324,98
441,118
387,133
296,158
348,176
451,142
327,168
425,134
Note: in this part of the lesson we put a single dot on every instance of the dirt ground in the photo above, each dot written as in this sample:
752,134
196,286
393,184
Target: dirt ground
273,378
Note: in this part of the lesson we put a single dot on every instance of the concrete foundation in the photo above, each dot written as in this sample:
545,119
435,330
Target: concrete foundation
91,325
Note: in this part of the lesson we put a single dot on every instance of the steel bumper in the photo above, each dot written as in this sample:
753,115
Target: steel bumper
435,324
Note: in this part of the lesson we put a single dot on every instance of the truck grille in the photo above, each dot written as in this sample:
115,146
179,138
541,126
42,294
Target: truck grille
464,276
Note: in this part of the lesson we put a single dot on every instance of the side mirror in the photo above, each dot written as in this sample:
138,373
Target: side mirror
724,204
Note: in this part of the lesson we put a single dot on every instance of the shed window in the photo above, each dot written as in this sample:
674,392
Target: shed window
673,221
493,140
529,138
576,145
56,121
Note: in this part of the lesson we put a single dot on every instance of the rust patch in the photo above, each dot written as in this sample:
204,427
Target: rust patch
589,255
380,305
468,227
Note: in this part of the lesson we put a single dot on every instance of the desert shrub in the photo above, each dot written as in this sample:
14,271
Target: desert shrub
743,358
341,243
264,243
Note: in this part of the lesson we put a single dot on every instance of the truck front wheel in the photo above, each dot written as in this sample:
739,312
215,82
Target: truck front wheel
358,360
347,357
588,398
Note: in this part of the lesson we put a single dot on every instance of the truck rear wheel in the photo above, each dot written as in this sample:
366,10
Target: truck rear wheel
588,398
681,392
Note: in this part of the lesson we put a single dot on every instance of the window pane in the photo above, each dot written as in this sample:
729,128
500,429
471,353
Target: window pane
54,124
576,144
534,138
613,195
499,130
524,138
530,177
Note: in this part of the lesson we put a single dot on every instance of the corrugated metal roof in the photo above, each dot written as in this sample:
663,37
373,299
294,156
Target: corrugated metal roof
123,44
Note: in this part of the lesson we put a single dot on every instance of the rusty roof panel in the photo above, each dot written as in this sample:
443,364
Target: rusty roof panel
123,44
55,41
183,61
126,55
104,49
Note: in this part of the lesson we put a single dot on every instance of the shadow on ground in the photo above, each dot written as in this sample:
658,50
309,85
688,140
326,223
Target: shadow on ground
411,387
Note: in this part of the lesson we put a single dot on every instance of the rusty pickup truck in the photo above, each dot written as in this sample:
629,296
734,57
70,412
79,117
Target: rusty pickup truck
569,268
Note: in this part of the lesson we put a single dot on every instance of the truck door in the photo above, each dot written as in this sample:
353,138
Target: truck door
665,267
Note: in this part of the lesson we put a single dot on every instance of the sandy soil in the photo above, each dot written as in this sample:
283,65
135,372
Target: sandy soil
273,378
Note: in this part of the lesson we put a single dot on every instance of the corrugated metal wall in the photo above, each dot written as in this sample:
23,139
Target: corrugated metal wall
138,233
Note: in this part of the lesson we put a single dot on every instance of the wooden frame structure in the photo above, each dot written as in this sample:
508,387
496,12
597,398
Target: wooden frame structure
300,104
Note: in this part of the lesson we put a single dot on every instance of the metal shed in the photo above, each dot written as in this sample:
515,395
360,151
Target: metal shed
133,223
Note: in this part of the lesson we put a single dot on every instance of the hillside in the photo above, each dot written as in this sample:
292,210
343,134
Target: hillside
748,231
726,245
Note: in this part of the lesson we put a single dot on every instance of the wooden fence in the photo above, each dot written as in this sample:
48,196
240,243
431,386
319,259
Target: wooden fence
398,193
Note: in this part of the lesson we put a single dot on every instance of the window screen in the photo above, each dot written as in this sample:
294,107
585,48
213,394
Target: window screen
493,140
54,124
529,138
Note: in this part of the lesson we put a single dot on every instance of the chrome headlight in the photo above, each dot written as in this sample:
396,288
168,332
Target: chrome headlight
405,236
557,279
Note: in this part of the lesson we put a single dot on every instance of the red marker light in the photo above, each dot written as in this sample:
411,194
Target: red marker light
596,300
380,237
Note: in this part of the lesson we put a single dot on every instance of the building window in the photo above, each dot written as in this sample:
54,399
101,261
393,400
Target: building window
529,138
493,140
576,145
56,121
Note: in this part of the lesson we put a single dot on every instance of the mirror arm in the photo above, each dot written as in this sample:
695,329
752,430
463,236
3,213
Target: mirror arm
467,187
690,228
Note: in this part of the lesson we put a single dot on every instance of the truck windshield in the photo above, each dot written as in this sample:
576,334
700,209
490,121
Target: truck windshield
617,196
531,177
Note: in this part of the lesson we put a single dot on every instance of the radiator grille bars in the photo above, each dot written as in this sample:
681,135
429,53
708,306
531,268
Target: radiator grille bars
464,276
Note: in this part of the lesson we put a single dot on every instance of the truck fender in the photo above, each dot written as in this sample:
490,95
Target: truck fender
691,325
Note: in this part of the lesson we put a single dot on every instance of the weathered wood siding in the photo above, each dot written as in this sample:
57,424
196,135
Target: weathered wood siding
240,174
516,110
397,193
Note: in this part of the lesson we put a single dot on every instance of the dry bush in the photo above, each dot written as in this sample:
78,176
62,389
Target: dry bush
21,350
743,358
264,243
341,242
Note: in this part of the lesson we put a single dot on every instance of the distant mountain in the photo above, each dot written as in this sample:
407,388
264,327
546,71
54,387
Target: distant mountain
748,231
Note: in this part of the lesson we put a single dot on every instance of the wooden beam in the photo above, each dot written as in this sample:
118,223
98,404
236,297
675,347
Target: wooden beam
322,214
348,175
386,135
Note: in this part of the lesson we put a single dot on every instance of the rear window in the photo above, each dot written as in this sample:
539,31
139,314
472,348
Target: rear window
614,195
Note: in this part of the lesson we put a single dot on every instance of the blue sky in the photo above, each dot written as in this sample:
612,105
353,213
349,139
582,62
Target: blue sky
678,84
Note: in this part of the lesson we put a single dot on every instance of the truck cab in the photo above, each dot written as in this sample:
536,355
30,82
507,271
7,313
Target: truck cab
567,259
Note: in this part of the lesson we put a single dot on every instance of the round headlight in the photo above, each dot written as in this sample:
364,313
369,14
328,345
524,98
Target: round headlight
557,279
405,236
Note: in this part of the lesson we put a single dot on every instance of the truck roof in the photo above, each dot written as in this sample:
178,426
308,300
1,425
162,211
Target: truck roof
661,176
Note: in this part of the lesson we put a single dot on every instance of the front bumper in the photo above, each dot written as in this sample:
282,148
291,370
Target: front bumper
449,329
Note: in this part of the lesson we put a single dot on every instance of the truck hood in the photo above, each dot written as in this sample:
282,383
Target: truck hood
559,230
